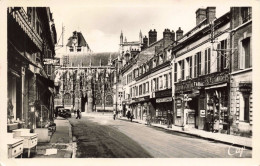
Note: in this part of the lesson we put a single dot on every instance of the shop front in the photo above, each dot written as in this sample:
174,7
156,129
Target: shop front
140,107
164,107
188,103
217,103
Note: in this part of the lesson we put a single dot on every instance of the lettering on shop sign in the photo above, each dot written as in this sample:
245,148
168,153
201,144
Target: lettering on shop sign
245,87
164,93
216,78
188,85
167,99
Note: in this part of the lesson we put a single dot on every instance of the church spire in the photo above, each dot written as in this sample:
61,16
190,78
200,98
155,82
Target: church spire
140,36
121,37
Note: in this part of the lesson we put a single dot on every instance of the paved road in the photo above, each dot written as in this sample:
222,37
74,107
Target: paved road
104,137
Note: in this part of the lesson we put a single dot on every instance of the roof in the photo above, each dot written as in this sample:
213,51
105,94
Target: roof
94,58
149,52
81,40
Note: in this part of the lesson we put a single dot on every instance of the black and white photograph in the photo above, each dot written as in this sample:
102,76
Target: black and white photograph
129,80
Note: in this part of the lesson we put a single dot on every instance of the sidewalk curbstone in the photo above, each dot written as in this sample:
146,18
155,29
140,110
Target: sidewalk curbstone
193,134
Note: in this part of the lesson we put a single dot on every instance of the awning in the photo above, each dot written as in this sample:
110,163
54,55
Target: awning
216,86
46,81
13,50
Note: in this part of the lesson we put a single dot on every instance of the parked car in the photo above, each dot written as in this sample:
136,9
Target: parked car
66,113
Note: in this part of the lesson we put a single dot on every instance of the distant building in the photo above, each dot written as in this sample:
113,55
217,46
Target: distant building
84,79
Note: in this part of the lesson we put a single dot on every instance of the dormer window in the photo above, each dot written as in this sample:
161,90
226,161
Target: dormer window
79,49
246,14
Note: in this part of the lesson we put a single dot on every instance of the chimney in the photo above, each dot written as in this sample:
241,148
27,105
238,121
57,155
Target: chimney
179,33
210,14
200,15
167,37
173,35
152,36
145,42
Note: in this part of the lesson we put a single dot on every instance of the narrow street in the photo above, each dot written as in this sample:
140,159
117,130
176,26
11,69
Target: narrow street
103,137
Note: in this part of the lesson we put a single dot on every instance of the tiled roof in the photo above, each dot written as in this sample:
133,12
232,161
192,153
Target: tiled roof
148,53
95,58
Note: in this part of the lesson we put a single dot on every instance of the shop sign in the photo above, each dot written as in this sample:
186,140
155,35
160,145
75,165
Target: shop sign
188,85
245,87
178,102
178,112
163,93
163,100
202,113
216,78
49,61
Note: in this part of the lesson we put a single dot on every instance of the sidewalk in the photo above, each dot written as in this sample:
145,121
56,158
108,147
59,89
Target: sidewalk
60,145
218,137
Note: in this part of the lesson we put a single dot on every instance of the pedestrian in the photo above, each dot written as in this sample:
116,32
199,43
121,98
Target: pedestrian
128,114
148,119
169,119
131,117
78,114
114,115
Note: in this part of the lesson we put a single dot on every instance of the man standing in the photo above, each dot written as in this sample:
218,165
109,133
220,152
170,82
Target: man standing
114,115
169,119
78,114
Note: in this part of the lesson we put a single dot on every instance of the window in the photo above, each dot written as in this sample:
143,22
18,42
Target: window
166,81
182,70
195,65
175,72
151,85
221,55
190,67
207,61
140,89
144,88
157,83
246,58
170,78
147,87
161,82
246,14
79,49
246,108
199,63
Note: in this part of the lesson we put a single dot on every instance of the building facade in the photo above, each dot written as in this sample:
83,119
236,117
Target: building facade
31,41
85,79
241,71
146,78
201,73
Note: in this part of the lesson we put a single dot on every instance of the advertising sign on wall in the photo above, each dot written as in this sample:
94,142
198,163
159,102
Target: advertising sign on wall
178,112
202,113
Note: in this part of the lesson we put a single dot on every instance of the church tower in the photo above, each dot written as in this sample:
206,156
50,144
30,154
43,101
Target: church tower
140,37
121,38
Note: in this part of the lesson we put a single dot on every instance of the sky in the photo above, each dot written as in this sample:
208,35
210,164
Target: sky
102,23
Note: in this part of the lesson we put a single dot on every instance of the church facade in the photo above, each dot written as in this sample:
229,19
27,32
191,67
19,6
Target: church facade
84,79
